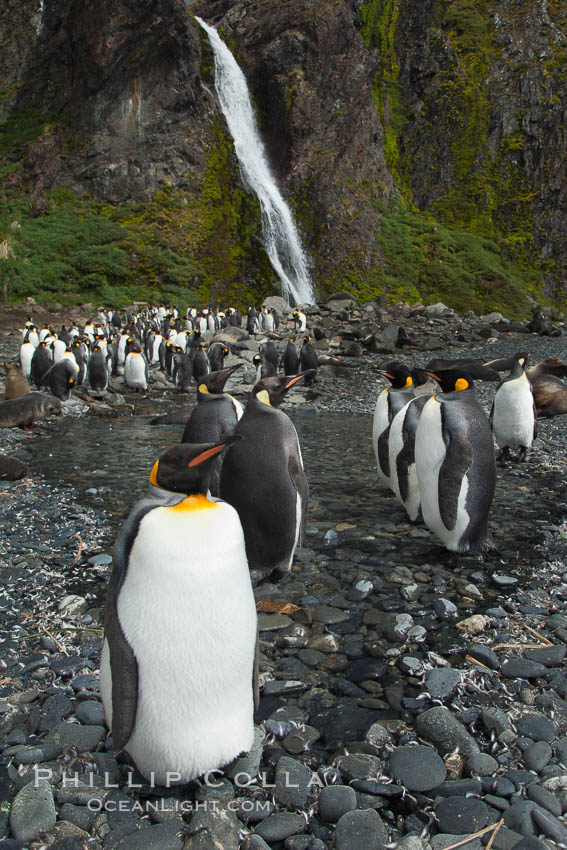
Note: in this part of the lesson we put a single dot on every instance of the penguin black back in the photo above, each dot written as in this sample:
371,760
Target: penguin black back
267,483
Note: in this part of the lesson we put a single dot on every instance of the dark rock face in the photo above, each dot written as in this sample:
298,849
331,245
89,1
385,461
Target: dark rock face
127,77
312,77
458,107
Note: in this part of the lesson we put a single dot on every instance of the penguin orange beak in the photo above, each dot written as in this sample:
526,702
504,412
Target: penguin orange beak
297,378
386,375
214,450
432,375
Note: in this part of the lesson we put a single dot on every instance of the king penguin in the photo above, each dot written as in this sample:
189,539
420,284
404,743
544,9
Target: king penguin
456,464
401,455
178,675
389,402
513,413
214,417
263,478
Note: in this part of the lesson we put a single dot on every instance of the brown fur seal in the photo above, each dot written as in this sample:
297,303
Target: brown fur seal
551,366
16,382
11,468
550,396
23,411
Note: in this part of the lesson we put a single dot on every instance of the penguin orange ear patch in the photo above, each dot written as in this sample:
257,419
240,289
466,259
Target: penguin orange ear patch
153,474
264,397
461,384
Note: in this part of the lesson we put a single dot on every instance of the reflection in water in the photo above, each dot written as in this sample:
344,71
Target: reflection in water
115,457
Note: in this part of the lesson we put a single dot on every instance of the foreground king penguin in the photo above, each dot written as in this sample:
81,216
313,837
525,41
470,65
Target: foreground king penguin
455,464
178,672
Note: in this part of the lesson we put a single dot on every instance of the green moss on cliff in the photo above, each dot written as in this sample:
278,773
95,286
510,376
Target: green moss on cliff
379,19
185,247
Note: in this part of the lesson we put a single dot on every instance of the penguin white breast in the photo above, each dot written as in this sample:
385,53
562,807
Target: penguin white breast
513,416
188,611
379,424
430,450
135,371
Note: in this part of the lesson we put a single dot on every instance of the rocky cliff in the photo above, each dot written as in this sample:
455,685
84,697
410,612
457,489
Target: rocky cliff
420,143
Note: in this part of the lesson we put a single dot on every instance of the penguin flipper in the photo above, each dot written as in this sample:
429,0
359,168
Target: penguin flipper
256,673
456,464
383,451
299,480
123,663
124,669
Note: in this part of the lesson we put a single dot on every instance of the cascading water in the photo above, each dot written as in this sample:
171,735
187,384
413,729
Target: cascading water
280,237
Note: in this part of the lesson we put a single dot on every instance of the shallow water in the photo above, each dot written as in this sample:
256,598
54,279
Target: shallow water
109,462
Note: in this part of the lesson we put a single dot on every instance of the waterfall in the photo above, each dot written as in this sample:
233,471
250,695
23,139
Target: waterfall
279,235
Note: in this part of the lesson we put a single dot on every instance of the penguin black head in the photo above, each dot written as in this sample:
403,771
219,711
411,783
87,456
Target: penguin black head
452,380
213,383
271,391
397,373
185,468
292,339
306,339
256,360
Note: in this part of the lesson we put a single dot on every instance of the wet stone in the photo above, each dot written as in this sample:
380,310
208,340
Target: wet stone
33,811
549,656
281,826
441,684
254,842
328,615
298,742
503,581
544,798
443,729
411,666
536,726
67,665
90,712
293,783
81,816
359,766
277,688
335,801
361,830
417,768
522,668
482,764
519,817
365,669
442,840
496,719
82,738
550,825
273,622
459,787
460,815
37,754
537,756
445,609
485,656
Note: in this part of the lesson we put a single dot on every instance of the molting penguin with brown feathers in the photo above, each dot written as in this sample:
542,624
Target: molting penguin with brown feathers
455,464
263,478
178,672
